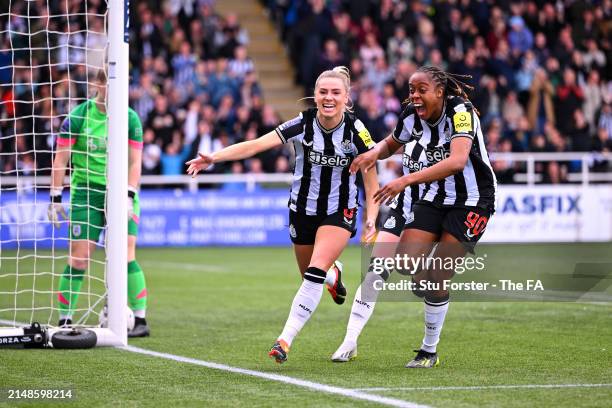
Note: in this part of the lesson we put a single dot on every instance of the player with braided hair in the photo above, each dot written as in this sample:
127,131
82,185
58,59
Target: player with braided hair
444,153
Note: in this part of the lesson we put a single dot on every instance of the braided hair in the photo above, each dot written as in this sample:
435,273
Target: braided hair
452,84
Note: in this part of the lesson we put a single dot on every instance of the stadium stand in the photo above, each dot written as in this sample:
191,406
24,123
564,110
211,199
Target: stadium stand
541,74
541,70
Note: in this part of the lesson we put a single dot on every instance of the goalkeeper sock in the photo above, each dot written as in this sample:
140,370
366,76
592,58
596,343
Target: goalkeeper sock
137,289
69,288
363,307
435,313
304,303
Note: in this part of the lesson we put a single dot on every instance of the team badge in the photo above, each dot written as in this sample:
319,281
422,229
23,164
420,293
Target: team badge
346,146
410,217
390,223
292,231
76,230
462,122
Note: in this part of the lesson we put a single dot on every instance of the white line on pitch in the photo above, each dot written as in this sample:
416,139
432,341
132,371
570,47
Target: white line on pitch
345,392
482,387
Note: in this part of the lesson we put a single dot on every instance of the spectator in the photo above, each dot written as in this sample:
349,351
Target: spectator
241,64
399,46
569,98
162,122
520,39
540,106
512,111
579,136
593,97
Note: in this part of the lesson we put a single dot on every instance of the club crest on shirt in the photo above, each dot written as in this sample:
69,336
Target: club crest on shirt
346,146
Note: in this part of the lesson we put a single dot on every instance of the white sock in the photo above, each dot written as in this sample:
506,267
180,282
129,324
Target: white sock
331,276
434,320
304,304
140,313
362,309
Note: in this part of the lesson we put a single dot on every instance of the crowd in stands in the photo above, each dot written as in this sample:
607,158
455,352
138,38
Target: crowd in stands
540,71
191,82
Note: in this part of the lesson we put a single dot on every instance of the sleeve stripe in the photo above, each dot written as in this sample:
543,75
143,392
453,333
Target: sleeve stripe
280,135
65,142
397,140
462,135
136,144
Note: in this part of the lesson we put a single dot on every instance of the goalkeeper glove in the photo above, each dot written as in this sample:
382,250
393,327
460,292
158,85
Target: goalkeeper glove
55,208
131,195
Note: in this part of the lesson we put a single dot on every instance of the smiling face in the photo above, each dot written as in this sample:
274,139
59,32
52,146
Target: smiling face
426,96
331,97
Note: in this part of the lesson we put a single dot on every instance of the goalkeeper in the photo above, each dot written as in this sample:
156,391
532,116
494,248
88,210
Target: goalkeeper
83,140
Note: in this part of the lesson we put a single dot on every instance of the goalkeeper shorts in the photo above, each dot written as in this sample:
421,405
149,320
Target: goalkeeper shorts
87,213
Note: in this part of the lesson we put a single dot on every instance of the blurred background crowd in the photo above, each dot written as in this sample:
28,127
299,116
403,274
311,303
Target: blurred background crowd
540,71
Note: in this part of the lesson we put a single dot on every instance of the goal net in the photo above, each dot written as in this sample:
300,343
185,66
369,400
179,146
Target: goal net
51,54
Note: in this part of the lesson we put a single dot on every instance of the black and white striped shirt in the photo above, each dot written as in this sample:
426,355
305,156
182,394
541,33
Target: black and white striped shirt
476,184
413,160
322,183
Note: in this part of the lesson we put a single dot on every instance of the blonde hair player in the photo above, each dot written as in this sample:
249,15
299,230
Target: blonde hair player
324,195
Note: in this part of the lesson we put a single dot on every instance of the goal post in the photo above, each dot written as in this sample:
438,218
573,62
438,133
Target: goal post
117,167
53,53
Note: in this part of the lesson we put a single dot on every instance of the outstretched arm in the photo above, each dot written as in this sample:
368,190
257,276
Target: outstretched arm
384,149
459,153
238,151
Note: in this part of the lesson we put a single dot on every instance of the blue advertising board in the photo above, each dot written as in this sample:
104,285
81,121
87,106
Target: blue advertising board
168,218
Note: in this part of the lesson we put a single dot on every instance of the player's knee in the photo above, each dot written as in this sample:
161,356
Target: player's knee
315,275
437,297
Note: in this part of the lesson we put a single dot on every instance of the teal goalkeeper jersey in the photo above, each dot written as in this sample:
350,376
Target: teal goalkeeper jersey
86,131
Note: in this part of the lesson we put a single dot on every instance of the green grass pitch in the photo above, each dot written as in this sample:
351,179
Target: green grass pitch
226,305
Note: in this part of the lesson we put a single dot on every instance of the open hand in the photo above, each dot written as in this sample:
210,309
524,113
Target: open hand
387,193
56,212
369,232
364,162
198,164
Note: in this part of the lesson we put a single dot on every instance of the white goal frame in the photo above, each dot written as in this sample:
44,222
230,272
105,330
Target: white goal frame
117,182
117,175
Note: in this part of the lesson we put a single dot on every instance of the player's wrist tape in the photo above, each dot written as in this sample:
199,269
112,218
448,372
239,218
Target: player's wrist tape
55,194
132,192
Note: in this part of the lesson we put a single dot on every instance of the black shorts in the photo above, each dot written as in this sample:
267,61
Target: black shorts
392,222
467,224
303,228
